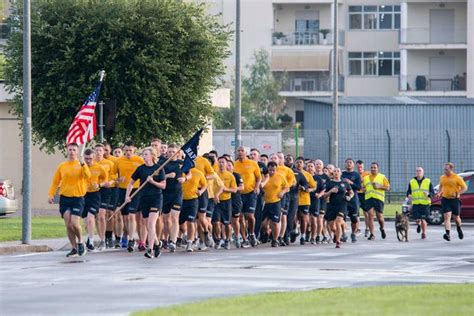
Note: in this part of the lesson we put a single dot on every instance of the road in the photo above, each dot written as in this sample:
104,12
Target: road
116,282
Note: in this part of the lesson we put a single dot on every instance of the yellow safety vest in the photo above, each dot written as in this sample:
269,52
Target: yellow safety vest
418,191
370,191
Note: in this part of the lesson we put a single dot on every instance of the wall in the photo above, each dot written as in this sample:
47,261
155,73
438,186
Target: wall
371,86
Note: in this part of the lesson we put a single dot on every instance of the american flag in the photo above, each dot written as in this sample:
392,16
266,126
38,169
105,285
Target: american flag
84,126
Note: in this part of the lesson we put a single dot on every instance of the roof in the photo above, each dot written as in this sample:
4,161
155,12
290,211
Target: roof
395,100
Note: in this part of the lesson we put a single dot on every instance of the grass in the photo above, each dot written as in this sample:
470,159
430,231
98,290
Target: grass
390,209
434,299
43,227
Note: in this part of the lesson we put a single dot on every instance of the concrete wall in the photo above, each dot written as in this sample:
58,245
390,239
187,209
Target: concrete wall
285,15
371,86
419,14
419,61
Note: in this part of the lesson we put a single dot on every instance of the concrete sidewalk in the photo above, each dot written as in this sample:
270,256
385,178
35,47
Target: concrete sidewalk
38,245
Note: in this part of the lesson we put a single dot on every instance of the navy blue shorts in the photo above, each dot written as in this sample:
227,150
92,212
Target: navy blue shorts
91,203
362,205
222,212
75,205
203,201
105,196
210,208
376,204
451,205
236,205
150,204
314,207
188,211
249,202
331,215
131,207
285,203
420,211
113,198
272,211
303,209
172,201
353,212
322,206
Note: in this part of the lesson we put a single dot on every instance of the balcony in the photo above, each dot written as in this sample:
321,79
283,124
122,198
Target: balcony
309,84
291,38
428,36
433,85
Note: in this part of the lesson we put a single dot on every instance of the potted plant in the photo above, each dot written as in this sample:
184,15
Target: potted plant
278,36
324,33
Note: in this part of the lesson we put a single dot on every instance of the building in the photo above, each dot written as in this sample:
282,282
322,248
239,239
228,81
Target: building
387,47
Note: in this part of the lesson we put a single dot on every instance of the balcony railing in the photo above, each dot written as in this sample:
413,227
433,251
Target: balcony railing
433,83
426,35
311,84
305,38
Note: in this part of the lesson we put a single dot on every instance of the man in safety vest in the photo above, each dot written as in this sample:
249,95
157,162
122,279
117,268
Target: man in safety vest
375,185
420,190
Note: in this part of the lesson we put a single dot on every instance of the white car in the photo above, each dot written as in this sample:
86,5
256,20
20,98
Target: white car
8,203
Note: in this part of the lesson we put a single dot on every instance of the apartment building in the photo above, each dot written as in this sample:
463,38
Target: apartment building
386,47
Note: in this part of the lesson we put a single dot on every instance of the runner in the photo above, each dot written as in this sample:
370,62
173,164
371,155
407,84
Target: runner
451,186
352,178
361,195
151,198
236,204
115,223
339,193
255,156
315,205
375,186
304,199
324,178
275,188
71,178
125,166
250,173
223,204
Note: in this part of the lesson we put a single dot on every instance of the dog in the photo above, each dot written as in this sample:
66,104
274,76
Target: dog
401,226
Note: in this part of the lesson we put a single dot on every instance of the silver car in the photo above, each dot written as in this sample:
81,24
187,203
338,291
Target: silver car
8,203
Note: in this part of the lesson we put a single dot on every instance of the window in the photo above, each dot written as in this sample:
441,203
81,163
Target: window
470,185
299,118
371,17
374,64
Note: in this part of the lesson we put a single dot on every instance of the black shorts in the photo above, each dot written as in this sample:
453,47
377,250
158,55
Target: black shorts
322,206
172,201
332,215
222,212
451,205
314,207
303,209
272,211
361,197
376,204
188,211
113,199
236,205
336,209
91,203
203,201
150,203
131,207
292,205
353,212
105,195
75,205
285,203
420,211
210,208
249,202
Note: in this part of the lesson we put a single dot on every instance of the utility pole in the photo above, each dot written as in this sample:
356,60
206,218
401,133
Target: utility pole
335,106
238,110
26,183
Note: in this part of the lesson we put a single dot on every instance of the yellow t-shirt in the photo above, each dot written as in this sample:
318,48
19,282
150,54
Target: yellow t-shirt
125,167
98,176
228,180
288,174
451,185
108,165
71,178
273,187
250,173
191,186
304,198
203,165
213,185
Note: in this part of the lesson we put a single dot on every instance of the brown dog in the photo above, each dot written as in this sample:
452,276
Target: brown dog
401,226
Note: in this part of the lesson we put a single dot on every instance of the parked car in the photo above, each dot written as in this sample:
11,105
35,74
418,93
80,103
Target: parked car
467,202
8,203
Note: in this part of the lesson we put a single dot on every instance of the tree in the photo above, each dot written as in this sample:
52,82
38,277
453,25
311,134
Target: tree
261,103
162,59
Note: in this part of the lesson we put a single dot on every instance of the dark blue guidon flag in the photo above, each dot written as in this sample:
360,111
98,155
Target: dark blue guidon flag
190,151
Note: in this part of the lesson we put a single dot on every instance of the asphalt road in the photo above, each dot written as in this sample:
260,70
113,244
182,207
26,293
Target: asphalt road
116,282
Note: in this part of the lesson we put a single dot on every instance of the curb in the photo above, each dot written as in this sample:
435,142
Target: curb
23,249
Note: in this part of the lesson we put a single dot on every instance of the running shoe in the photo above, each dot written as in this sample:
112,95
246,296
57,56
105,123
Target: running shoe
238,243
460,233
227,245
124,242
156,251
90,245
371,237
109,242
382,232
293,235
274,243
366,233
246,244
423,236
217,244
281,242
202,246
208,240
318,240
72,253
286,241
148,253
101,245
325,240
312,241
131,245
418,229
172,246
447,237
81,250
117,244
141,246
302,241
189,246
353,238
344,237
338,244
263,237
253,240
308,236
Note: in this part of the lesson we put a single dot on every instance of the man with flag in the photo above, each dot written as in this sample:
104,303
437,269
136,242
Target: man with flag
71,176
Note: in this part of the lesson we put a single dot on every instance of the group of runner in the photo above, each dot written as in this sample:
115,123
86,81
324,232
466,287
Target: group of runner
221,202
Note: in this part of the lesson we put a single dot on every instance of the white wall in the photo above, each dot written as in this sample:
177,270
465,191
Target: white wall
419,61
371,86
419,14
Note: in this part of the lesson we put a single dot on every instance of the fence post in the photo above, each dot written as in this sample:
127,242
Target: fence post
449,145
329,142
389,160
